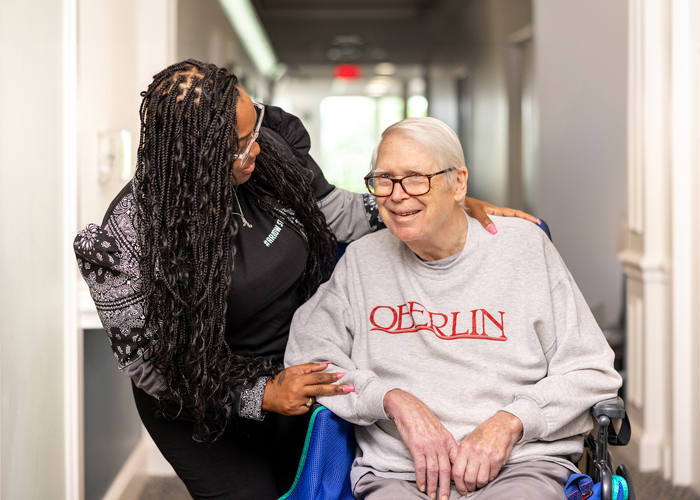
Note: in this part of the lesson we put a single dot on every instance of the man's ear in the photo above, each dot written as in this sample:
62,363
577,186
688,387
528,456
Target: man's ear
461,184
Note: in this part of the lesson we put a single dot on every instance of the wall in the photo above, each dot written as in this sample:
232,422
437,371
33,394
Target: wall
31,251
581,81
486,24
205,34
121,45
112,424
109,96
662,250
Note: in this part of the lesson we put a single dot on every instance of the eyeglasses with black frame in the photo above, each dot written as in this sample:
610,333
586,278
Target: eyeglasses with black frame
254,135
382,185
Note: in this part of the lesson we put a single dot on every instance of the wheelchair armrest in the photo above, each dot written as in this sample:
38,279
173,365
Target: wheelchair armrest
611,408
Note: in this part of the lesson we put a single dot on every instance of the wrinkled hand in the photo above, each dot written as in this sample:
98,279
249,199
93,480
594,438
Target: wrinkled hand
426,438
482,453
481,210
291,388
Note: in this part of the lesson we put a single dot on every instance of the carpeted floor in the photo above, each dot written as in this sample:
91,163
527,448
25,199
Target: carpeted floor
647,487
164,488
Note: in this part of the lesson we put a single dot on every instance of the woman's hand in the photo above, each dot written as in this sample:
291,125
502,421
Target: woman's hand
292,388
481,210
429,442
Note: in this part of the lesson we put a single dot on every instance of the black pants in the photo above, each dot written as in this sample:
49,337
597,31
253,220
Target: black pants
250,460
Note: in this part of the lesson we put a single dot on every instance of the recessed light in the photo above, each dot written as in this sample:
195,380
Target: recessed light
385,68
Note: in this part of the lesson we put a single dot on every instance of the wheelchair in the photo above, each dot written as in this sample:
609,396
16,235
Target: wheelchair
329,450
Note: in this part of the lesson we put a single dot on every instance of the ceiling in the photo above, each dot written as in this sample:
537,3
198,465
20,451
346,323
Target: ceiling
307,32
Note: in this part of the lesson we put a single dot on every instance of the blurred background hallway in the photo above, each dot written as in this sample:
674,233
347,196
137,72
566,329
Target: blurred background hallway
585,113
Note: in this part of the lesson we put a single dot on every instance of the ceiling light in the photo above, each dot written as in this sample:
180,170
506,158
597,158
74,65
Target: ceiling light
385,69
344,54
378,86
247,26
347,40
416,86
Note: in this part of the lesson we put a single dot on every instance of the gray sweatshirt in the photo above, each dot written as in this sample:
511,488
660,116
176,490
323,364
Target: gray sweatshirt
499,326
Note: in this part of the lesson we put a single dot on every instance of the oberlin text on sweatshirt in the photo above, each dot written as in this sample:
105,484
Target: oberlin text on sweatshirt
413,317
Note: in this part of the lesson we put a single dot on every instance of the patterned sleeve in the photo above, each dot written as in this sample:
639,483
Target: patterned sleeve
351,215
250,398
108,260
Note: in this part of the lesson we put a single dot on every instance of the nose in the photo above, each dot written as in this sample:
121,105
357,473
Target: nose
254,151
398,194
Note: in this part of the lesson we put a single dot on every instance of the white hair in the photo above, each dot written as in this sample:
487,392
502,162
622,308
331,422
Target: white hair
434,137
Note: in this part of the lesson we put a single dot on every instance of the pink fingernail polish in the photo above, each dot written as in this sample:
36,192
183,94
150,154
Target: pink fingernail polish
349,388
325,362
341,375
539,222
491,229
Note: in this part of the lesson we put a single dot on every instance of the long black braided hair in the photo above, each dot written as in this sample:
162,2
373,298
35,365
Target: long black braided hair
185,201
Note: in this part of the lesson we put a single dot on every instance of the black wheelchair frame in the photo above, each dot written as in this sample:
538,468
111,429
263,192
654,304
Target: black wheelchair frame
597,460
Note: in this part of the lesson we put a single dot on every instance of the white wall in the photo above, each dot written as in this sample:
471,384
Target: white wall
122,44
205,34
662,251
31,251
581,81
487,24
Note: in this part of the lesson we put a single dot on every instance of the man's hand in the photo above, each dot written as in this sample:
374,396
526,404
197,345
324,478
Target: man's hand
426,438
481,455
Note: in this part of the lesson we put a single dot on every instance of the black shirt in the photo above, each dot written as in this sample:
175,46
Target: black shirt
264,292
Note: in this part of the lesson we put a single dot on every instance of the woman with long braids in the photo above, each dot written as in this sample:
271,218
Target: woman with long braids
202,259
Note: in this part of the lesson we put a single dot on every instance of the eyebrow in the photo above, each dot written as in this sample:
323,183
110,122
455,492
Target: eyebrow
240,137
410,172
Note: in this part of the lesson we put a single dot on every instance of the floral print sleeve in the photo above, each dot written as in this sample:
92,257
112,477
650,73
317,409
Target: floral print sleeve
108,260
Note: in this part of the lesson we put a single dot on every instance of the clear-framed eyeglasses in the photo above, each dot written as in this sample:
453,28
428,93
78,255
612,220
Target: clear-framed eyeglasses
382,185
260,108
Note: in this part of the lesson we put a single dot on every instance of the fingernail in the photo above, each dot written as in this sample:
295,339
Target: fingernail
491,229
341,375
432,495
539,222
325,362
443,497
349,388
422,488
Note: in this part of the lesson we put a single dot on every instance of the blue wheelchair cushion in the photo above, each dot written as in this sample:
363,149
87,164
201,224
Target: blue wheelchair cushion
324,468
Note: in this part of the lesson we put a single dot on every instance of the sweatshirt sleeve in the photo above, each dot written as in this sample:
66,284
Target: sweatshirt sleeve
351,215
580,371
323,330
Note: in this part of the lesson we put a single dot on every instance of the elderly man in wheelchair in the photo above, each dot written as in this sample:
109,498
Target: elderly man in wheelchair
475,358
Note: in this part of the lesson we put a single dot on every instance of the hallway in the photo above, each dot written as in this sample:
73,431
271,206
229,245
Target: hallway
584,112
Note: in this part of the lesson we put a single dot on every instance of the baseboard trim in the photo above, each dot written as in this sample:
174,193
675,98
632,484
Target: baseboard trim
130,480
